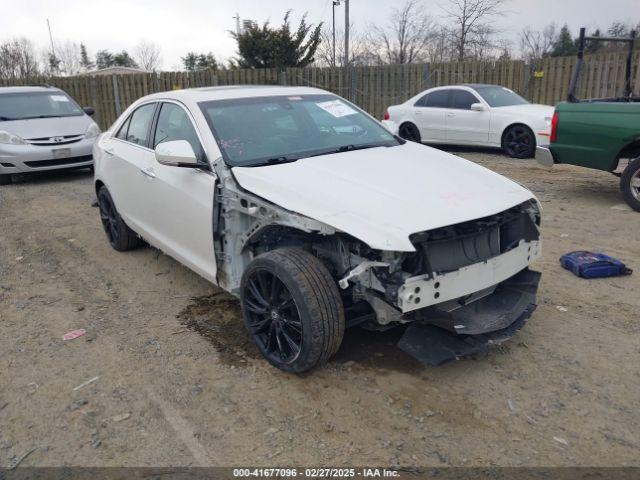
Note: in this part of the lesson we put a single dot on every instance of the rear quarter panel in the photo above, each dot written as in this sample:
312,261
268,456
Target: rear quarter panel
593,134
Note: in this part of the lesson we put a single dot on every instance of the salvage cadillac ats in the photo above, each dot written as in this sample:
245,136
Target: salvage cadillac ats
320,219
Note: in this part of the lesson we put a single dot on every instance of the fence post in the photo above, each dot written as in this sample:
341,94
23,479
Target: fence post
353,73
94,101
116,95
283,77
427,76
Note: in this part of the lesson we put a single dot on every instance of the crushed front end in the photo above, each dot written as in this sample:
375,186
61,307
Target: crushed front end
466,287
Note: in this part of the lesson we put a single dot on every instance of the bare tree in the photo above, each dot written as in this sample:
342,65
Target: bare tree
536,44
18,59
69,55
406,37
472,24
359,51
148,55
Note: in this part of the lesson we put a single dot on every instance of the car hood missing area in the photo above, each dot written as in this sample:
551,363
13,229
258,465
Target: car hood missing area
382,195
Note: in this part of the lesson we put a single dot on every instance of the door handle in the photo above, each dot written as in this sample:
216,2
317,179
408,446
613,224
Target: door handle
108,151
148,172
451,114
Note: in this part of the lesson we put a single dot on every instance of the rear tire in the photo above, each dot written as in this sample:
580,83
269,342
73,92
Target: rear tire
5,179
120,236
630,184
410,132
519,142
292,309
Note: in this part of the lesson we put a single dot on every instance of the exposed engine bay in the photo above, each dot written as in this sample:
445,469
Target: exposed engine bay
464,287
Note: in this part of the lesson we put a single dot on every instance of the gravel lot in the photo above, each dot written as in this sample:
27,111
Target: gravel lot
178,382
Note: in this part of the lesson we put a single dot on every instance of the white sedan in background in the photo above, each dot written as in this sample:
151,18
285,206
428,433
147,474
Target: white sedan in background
473,114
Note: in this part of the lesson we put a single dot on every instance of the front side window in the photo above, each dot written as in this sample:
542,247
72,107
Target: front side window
264,130
175,124
122,133
22,106
462,100
139,125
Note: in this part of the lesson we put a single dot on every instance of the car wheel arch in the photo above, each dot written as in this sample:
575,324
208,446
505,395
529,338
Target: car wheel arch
517,124
98,185
631,151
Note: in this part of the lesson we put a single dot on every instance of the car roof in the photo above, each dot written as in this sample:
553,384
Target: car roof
28,89
205,94
477,85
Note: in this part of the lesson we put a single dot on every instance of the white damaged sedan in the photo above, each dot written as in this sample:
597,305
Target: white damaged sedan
319,219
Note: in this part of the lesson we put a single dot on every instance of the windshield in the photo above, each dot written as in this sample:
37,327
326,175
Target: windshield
263,130
500,96
20,106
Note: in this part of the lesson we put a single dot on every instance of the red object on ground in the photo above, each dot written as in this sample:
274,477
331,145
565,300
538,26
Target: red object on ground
74,334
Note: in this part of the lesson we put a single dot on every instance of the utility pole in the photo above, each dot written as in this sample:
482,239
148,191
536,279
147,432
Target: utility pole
346,33
53,60
237,17
53,52
336,3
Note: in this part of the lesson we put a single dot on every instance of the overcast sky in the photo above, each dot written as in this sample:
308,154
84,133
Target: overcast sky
179,26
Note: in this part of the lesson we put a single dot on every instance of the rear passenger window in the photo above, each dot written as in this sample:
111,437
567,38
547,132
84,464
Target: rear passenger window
437,99
139,125
462,100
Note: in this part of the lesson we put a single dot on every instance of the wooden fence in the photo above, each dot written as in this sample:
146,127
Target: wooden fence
372,88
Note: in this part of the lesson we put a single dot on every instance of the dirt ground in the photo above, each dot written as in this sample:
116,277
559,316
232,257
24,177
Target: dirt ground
176,381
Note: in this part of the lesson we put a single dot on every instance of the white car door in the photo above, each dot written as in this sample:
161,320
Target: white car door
128,154
181,199
429,115
466,126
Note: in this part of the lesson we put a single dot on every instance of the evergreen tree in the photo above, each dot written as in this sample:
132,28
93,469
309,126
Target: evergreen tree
565,45
267,47
123,59
104,59
199,61
85,62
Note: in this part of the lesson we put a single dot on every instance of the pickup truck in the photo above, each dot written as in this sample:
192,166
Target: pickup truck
599,133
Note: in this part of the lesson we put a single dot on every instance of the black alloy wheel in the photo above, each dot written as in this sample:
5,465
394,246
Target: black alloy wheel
519,142
410,132
120,236
292,308
272,317
109,219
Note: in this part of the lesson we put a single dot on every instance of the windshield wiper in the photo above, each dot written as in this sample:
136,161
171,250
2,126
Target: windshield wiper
43,116
6,119
348,148
280,159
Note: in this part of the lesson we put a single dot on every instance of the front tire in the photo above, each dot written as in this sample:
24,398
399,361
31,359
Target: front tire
410,132
120,236
5,179
292,309
519,142
630,184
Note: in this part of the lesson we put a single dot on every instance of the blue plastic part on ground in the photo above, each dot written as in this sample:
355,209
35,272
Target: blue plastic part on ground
593,265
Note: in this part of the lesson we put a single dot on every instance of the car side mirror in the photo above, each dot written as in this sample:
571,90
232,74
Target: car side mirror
477,107
177,153
89,111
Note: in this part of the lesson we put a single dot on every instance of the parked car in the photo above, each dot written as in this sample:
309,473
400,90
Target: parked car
599,133
318,219
42,128
473,114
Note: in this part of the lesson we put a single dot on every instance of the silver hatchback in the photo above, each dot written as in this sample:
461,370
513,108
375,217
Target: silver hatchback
42,128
